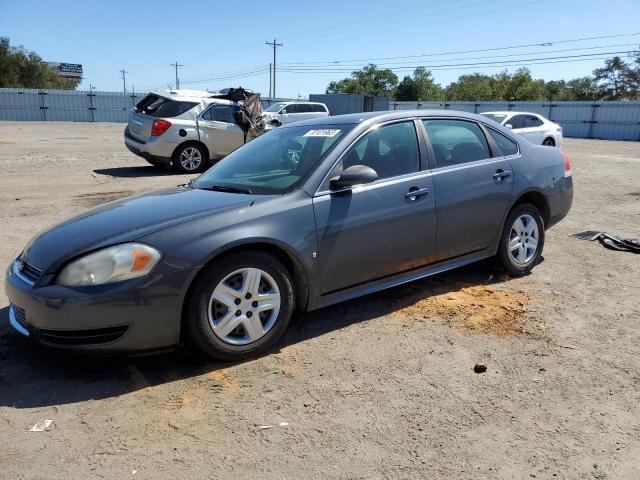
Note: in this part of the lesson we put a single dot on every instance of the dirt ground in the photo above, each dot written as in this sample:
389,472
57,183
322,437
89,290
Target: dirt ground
378,388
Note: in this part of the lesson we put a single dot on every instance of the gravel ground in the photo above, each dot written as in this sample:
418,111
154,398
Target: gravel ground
379,388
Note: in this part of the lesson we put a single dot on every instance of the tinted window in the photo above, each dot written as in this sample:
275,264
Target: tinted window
391,150
293,108
456,141
156,106
508,146
221,113
531,121
304,108
516,121
318,108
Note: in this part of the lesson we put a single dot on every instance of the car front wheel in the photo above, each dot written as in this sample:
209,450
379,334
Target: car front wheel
522,240
239,306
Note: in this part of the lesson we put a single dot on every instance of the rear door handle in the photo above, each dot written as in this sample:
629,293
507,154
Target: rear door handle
501,175
415,192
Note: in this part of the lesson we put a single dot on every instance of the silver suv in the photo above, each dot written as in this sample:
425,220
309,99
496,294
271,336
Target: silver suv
187,129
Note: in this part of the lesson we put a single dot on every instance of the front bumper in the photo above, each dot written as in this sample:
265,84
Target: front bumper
130,316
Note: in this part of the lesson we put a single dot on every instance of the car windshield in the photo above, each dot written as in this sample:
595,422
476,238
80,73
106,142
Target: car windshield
275,162
496,117
275,107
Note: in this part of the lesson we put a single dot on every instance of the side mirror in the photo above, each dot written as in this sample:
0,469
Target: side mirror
283,111
509,126
354,175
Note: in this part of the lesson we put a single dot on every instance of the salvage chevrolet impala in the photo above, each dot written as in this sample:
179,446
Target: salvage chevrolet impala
302,217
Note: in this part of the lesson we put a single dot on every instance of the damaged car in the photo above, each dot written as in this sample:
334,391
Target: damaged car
189,129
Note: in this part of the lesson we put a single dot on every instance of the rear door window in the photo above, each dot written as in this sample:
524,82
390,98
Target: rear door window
531,121
157,106
221,113
456,141
304,108
516,121
508,146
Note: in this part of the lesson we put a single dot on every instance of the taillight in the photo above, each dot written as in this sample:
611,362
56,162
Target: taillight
567,167
159,127
559,129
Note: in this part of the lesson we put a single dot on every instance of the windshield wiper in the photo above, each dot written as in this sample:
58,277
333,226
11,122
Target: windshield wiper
229,189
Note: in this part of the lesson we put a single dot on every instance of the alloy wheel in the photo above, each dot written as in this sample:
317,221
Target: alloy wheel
523,239
244,306
191,159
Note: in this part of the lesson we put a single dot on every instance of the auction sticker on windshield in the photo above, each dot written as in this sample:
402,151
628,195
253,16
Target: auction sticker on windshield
325,132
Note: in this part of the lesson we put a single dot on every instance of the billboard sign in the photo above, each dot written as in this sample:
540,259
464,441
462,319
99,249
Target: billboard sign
68,70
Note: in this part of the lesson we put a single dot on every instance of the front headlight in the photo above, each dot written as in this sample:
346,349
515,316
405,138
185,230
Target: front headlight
111,264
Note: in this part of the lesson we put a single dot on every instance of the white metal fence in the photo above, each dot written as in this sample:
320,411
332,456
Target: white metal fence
70,105
617,120
609,120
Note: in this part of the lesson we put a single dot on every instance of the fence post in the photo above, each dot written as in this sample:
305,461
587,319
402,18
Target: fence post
91,107
593,119
43,107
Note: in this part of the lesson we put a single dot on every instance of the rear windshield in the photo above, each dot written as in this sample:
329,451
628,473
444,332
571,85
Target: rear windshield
157,106
496,117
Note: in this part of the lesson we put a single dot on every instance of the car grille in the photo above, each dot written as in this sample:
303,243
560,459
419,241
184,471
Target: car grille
94,336
26,272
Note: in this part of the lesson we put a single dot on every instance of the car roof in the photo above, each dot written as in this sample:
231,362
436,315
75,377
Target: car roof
371,117
511,113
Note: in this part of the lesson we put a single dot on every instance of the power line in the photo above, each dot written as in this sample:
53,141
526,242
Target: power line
177,79
275,45
456,52
515,62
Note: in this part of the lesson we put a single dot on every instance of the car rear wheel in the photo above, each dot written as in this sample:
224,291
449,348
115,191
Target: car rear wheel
239,306
190,158
549,142
522,240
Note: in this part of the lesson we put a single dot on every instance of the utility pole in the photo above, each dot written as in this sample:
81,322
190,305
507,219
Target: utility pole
275,45
124,80
270,77
177,79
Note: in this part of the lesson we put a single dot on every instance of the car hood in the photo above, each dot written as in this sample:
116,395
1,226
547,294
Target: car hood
126,220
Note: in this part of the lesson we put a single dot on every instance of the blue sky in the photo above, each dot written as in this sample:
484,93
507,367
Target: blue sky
217,40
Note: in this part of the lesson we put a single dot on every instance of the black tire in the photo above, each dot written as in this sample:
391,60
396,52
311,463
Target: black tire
198,332
504,258
183,167
549,142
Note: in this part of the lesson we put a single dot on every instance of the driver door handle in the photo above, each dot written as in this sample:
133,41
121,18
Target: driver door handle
414,193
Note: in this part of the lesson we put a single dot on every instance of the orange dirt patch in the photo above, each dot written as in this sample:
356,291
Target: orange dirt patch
221,379
480,309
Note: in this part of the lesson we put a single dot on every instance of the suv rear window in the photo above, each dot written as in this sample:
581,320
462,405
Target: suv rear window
157,106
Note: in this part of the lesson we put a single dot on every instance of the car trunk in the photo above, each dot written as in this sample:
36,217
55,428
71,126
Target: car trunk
149,109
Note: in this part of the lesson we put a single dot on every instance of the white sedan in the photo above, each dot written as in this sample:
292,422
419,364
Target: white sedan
531,126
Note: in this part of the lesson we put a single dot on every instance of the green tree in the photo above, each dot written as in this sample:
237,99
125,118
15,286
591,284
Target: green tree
613,79
369,81
20,68
419,87
584,88
555,90
520,86
475,86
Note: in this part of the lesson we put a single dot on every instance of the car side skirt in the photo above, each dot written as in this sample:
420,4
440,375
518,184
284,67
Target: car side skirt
405,277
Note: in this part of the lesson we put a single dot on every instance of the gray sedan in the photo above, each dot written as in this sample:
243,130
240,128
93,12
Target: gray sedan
300,218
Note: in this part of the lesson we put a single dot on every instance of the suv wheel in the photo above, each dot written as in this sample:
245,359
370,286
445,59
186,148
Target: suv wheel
190,158
522,240
240,306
